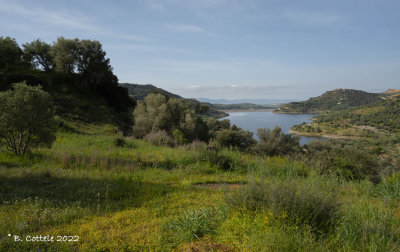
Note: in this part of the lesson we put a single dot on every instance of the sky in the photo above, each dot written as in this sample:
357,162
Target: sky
232,49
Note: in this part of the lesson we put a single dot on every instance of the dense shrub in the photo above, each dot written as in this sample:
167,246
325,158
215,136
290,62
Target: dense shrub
119,142
275,142
342,160
235,138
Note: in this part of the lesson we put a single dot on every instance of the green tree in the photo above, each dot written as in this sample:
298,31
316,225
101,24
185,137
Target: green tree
10,52
150,115
38,54
64,53
26,118
235,138
275,142
91,62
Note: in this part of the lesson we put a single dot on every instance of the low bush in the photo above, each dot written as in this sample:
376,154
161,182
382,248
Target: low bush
342,160
160,138
223,162
297,203
119,142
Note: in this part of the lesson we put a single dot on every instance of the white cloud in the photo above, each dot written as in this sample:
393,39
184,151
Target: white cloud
186,28
32,18
63,19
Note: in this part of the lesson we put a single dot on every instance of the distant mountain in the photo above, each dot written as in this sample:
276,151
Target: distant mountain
243,106
139,92
337,99
237,101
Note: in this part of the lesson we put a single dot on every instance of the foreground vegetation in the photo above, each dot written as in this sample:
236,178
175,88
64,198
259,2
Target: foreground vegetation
117,193
161,175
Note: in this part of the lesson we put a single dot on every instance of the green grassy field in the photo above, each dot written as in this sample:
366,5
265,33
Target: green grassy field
134,196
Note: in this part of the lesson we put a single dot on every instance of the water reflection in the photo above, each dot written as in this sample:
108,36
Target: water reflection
266,119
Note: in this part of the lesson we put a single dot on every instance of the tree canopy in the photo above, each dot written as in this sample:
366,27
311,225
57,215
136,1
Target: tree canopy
10,53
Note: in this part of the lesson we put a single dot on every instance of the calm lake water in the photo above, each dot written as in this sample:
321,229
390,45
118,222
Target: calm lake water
266,119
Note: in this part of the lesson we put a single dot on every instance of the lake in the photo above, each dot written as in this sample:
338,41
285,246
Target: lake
266,119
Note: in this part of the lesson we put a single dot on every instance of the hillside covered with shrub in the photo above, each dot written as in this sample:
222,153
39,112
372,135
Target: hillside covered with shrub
338,99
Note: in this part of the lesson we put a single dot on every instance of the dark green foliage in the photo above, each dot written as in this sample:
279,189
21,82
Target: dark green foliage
10,52
297,203
139,92
119,142
26,118
215,125
77,75
39,55
338,99
343,160
275,142
219,159
235,138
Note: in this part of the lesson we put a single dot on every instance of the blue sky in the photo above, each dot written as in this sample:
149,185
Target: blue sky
230,49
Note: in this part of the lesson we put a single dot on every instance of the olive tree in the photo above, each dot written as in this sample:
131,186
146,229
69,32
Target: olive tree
26,118
38,53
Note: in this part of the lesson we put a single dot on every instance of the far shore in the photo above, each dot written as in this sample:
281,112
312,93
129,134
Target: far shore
247,110
299,133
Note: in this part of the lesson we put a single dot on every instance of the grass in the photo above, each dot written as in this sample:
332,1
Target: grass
121,194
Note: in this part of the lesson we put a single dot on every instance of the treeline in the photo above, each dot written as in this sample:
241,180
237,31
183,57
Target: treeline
77,74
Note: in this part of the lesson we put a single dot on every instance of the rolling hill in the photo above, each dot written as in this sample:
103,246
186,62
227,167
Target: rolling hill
139,92
335,100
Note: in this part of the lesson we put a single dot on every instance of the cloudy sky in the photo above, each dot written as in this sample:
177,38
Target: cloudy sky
230,49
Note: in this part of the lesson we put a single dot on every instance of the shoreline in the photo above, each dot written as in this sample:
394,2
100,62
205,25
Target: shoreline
247,110
299,133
